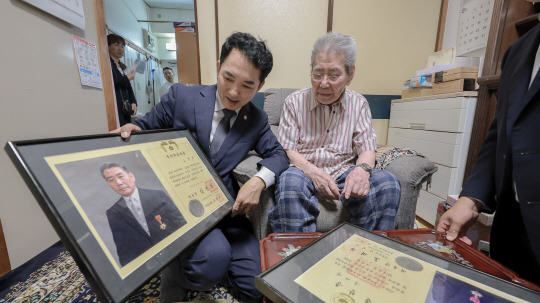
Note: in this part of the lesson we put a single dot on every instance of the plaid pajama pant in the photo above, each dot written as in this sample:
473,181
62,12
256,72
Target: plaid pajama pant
296,208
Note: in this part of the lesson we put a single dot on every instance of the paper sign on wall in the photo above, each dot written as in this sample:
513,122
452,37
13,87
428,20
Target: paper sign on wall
87,62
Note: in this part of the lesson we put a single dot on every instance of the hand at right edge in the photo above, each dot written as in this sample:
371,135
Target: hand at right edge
126,130
456,221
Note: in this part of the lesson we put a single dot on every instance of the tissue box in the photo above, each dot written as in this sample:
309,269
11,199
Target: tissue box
421,81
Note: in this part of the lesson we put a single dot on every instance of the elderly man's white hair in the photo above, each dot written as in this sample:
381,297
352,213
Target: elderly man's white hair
336,42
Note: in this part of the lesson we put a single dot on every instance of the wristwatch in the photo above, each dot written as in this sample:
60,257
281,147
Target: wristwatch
365,167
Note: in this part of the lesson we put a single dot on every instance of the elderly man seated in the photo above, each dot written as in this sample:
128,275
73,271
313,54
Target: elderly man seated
327,133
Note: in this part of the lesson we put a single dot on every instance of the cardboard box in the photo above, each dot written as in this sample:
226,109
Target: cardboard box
454,86
416,92
456,73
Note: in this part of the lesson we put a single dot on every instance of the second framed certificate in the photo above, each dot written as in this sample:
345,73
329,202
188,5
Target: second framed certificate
351,264
124,209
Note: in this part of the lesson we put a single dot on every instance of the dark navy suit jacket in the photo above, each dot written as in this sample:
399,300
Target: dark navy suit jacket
129,236
192,108
511,151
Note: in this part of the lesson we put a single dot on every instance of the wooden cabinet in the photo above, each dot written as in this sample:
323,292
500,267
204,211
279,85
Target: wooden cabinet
439,127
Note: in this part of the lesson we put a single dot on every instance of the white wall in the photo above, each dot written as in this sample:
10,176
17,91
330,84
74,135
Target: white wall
177,15
393,38
122,19
163,53
289,27
42,97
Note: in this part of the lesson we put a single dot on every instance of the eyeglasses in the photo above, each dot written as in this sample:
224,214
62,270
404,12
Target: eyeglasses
318,77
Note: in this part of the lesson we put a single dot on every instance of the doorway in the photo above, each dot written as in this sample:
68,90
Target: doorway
148,26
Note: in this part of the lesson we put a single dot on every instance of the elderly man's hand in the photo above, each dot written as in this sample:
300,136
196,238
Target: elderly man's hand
126,130
356,183
248,196
323,182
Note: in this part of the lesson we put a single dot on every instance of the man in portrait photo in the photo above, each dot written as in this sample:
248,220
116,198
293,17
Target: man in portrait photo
140,218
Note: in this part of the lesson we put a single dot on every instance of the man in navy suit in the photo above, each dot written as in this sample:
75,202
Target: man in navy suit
229,253
506,176
141,218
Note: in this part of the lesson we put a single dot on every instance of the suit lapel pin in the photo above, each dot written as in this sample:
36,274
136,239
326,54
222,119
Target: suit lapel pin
245,117
161,224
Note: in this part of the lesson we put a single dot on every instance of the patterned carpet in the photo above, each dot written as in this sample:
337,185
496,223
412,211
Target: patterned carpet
53,276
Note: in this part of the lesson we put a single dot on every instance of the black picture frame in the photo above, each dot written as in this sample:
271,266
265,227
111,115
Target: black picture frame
279,282
64,176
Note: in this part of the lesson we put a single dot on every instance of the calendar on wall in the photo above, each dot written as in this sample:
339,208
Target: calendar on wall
474,23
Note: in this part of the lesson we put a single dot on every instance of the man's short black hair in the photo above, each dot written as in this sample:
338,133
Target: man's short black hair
168,69
255,50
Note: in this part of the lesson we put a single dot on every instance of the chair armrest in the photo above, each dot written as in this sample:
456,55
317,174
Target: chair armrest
246,169
412,172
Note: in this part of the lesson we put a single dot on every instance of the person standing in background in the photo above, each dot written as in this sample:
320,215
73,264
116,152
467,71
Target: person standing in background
126,104
169,77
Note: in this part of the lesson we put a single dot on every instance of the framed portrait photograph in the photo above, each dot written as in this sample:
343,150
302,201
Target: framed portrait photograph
351,264
124,208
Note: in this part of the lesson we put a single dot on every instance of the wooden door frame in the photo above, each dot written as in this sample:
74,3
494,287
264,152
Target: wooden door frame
106,72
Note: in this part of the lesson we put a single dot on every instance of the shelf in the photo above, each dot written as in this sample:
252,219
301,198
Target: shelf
440,96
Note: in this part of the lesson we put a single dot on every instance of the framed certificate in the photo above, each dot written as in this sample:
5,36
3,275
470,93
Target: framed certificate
123,208
351,264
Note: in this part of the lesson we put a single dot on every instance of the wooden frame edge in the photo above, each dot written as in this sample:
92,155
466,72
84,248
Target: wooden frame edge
106,72
330,18
216,16
197,38
442,25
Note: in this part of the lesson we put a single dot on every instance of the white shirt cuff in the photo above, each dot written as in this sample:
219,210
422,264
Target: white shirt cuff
267,176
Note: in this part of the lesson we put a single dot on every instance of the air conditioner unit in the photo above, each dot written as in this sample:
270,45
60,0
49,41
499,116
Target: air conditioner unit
149,40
